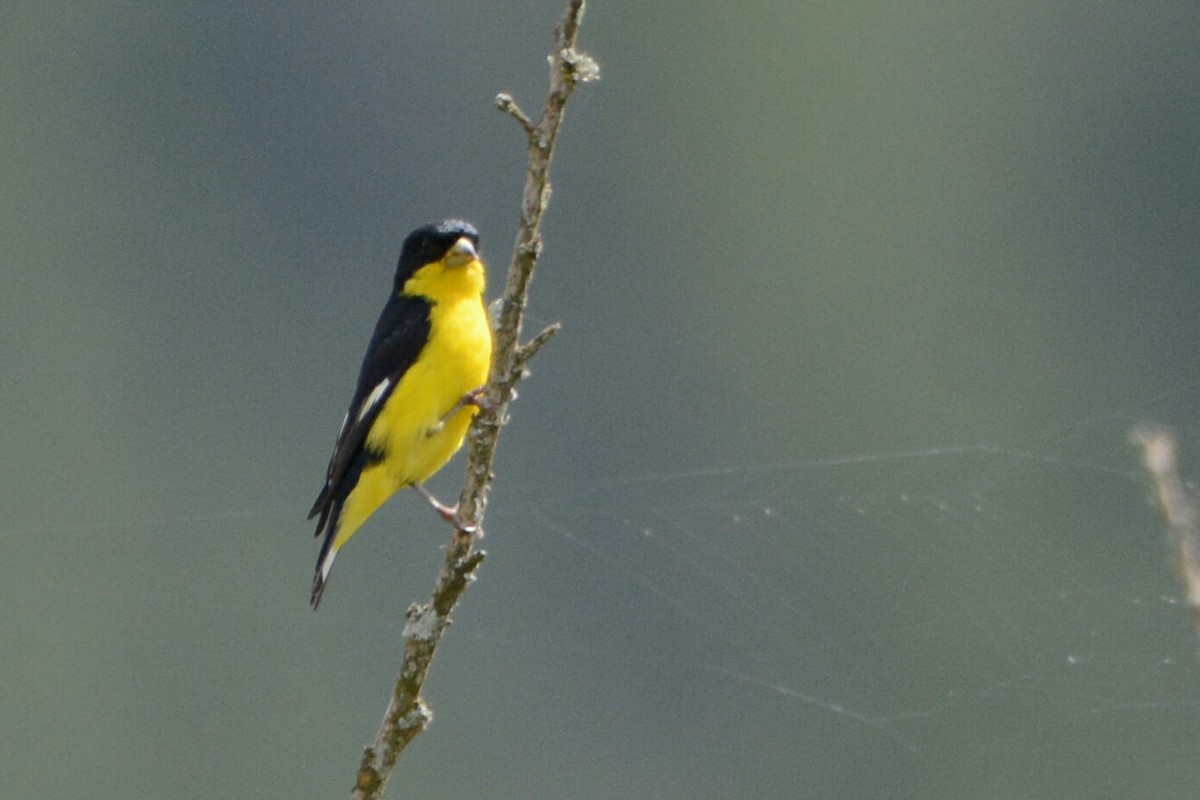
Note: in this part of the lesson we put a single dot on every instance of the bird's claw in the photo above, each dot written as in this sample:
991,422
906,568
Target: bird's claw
447,513
479,398
476,397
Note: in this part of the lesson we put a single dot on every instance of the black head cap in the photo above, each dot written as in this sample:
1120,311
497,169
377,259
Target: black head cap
429,243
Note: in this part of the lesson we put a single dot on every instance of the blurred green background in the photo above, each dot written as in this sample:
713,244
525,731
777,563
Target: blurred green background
824,490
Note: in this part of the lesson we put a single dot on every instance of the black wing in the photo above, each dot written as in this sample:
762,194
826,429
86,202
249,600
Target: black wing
400,334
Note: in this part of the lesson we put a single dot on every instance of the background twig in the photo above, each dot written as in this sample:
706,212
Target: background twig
407,714
1177,504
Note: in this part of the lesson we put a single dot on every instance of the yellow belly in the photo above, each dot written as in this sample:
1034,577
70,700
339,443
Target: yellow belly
412,429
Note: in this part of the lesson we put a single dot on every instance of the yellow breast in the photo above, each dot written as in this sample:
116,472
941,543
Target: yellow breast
413,428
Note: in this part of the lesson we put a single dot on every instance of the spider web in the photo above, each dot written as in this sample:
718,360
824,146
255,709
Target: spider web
935,622
975,615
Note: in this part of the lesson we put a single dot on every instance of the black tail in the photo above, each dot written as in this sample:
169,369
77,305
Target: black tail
327,525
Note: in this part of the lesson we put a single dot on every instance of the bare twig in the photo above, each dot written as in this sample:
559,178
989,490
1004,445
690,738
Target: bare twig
1177,505
505,103
407,714
531,348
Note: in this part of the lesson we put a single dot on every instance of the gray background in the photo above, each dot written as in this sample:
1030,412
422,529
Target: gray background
823,491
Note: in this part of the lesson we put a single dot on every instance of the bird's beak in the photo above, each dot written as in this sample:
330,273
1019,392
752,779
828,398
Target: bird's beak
463,252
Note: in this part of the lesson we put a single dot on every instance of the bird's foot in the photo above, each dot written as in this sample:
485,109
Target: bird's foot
444,511
476,397
479,398
448,513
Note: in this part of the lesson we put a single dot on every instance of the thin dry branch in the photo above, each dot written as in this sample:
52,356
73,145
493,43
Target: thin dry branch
1177,504
407,713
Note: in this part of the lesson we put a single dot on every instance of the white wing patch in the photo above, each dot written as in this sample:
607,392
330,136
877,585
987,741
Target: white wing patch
372,399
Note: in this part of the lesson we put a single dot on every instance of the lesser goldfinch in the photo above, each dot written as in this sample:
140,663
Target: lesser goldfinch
431,349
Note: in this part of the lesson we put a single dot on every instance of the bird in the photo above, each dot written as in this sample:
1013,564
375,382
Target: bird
418,388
